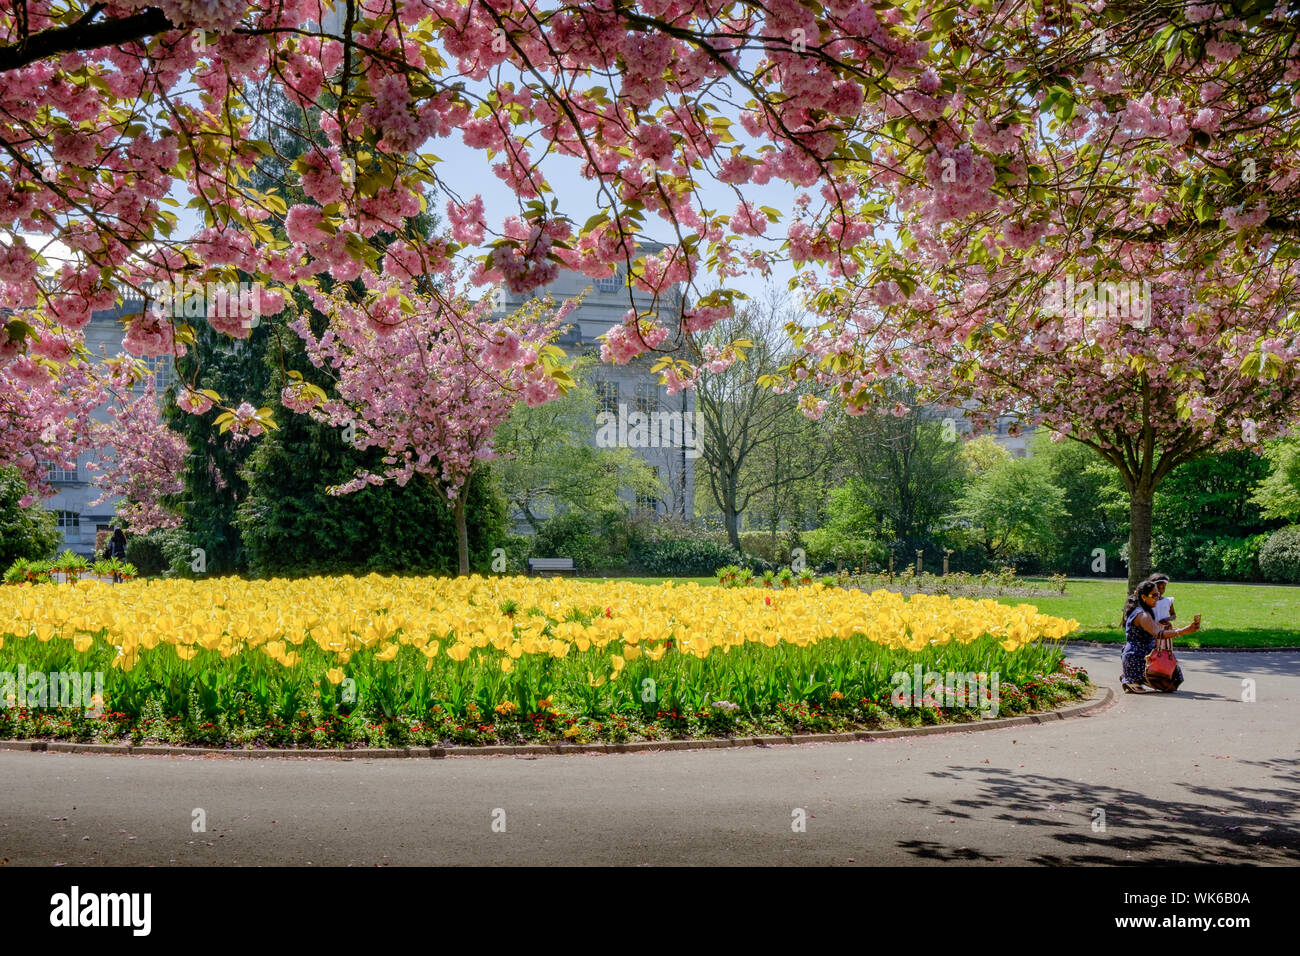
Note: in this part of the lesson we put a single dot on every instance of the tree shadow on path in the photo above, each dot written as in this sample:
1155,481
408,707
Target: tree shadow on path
1211,825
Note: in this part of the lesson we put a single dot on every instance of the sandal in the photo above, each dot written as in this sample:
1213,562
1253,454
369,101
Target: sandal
1132,688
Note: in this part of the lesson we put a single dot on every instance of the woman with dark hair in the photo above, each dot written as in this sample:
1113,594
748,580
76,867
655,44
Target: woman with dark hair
1140,631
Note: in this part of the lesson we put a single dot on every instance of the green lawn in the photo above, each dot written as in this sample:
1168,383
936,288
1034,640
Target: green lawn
1232,615
655,581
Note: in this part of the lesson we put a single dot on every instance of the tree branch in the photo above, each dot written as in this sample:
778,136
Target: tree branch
83,36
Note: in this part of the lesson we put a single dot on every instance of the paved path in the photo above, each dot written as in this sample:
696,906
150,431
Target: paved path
1198,777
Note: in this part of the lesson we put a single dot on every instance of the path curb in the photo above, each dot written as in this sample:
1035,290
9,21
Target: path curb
1193,650
1099,701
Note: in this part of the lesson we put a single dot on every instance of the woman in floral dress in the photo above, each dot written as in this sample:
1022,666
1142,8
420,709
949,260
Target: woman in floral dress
1140,631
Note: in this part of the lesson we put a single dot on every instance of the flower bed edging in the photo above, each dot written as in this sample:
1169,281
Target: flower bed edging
1101,698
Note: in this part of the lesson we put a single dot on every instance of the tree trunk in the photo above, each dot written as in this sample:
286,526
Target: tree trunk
462,532
732,520
532,520
1141,500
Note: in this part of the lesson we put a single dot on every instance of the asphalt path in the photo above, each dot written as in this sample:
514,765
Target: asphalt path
1201,776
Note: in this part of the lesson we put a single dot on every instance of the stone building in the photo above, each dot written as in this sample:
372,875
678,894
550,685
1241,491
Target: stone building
627,391
633,386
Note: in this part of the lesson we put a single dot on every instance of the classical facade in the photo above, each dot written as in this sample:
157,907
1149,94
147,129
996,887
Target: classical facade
1006,432
627,392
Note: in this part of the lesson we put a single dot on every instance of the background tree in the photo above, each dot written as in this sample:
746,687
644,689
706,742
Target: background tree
1013,506
794,494
745,425
430,390
909,467
28,532
141,459
1278,494
1212,497
1096,506
981,454
548,464
213,476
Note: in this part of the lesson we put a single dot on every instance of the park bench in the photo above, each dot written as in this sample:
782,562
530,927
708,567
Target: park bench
550,565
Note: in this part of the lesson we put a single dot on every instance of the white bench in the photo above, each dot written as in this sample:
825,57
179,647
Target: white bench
550,565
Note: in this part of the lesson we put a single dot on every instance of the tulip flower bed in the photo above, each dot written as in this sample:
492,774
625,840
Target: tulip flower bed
386,661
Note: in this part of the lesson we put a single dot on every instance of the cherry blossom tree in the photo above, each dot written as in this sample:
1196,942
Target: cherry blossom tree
1108,249
46,397
109,109
429,388
142,461
946,162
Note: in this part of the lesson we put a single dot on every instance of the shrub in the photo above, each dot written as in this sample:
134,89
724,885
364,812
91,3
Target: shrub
826,547
519,548
1231,559
760,544
612,540
673,548
1279,557
145,551
178,552
1214,559
1177,556
684,556
594,542
1241,558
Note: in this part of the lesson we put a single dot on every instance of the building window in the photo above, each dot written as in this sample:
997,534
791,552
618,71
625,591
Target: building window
55,473
611,283
648,502
647,399
69,519
607,396
163,371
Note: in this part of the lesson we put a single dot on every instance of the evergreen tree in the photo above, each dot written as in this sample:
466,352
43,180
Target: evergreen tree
29,532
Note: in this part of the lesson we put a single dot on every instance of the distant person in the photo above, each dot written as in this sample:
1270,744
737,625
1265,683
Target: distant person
116,549
1140,632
